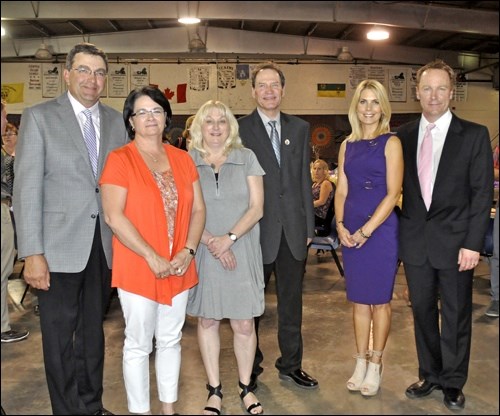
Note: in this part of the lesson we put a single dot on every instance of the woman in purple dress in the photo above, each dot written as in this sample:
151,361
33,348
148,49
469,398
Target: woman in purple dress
370,175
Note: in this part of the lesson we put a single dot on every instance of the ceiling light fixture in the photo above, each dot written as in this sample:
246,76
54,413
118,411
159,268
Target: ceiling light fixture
43,52
186,17
377,33
345,55
189,20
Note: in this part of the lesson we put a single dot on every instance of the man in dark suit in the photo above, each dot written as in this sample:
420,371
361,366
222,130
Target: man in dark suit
61,230
288,222
441,236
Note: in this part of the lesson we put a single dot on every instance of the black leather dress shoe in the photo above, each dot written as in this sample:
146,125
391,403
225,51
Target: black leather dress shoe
103,411
454,398
252,386
300,378
421,388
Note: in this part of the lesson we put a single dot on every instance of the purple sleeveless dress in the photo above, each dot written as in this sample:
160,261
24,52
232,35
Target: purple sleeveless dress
370,271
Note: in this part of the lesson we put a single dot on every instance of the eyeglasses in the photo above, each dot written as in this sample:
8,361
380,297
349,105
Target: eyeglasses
10,133
85,70
142,113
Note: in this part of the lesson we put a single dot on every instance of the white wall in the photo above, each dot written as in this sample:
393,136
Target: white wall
479,100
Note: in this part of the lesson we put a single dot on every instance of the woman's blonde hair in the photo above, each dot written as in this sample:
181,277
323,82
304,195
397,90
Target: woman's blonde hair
322,164
385,118
233,140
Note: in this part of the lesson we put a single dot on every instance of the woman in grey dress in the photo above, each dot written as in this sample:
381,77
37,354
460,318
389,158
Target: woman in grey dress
229,258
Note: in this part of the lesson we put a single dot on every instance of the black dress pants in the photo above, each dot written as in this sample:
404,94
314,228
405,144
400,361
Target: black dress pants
289,276
71,318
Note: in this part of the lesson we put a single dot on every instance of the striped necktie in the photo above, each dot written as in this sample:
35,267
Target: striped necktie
90,140
275,140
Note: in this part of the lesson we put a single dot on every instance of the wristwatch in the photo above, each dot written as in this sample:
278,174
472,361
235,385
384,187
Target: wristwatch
232,236
191,251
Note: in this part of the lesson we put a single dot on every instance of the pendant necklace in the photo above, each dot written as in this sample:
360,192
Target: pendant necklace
155,160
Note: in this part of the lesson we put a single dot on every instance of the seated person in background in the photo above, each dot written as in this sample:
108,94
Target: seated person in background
323,193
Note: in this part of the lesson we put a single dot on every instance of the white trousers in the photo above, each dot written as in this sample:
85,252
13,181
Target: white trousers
144,319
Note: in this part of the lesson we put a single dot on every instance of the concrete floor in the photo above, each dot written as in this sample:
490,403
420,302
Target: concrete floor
328,348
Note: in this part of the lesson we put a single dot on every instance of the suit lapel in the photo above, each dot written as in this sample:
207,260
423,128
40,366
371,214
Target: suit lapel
259,131
453,144
412,144
70,123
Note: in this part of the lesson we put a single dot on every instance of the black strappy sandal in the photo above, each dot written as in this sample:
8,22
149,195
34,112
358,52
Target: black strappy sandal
217,391
244,391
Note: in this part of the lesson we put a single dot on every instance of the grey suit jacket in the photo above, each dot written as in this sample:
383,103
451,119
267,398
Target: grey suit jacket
288,203
461,200
56,197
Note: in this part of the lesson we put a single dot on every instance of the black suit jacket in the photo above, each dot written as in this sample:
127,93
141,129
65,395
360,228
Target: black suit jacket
461,200
288,204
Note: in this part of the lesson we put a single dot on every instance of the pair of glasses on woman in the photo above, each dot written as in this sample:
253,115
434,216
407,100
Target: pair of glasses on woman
155,112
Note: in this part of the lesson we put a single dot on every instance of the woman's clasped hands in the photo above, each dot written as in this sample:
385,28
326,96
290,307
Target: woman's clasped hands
220,248
350,240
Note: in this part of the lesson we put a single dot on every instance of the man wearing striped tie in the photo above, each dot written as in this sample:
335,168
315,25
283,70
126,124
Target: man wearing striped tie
62,236
281,143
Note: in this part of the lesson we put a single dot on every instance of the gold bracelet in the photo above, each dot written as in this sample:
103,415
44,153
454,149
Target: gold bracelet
363,234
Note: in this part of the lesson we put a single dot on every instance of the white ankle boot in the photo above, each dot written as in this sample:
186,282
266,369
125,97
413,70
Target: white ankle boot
354,383
373,377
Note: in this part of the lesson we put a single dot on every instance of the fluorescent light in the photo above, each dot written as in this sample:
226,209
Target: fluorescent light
189,20
3,31
378,33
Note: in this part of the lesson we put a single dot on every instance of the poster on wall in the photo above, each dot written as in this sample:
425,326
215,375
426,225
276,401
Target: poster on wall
356,75
51,80
13,93
118,80
397,85
226,77
35,77
199,85
139,76
460,92
413,83
377,73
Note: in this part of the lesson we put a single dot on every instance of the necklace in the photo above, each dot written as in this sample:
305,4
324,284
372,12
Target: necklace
155,159
217,160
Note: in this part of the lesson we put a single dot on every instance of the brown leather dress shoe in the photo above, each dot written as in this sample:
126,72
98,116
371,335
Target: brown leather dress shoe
421,388
454,398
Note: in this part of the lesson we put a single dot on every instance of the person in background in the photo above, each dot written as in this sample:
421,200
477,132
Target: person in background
287,226
447,194
9,141
61,230
186,135
8,233
368,188
492,310
153,202
229,259
323,192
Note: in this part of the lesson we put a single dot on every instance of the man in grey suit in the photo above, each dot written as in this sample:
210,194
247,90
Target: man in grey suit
441,236
288,222
61,230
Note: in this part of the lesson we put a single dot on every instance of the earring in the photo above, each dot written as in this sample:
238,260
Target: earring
133,128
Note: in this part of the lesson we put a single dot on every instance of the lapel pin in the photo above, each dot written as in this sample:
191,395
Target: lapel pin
287,142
